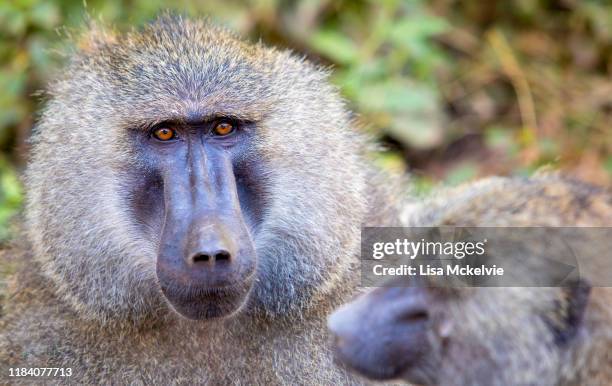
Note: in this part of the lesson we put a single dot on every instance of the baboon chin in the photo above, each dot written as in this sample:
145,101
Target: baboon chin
206,302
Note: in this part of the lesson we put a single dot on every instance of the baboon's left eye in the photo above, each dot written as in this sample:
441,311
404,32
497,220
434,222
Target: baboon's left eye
223,128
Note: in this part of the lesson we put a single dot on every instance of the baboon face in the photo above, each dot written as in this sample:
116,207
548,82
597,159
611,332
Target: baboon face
475,336
202,204
178,165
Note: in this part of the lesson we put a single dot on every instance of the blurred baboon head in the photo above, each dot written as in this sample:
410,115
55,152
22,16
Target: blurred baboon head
177,167
460,336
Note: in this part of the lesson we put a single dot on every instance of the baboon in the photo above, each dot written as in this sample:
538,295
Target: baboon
435,335
193,214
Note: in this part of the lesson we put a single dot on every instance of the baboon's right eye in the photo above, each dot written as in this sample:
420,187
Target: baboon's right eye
164,134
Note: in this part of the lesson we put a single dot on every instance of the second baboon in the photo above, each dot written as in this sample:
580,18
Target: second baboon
434,335
193,210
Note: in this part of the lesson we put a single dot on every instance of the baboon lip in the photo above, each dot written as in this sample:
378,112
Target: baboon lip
202,302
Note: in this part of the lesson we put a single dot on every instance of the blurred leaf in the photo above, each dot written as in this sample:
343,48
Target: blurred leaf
498,137
608,165
38,48
409,31
335,46
14,22
422,186
461,173
414,115
391,161
525,171
10,197
421,131
397,95
548,147
45,15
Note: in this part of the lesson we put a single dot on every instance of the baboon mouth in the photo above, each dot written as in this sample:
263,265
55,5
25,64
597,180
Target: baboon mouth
200,303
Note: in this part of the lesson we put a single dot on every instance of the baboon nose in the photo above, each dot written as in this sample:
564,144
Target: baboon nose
213,256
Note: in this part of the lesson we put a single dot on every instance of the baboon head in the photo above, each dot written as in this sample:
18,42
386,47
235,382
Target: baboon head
178,168
460,336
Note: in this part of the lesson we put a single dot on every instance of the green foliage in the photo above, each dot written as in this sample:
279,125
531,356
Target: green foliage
457,90
10,197
388,69
462,173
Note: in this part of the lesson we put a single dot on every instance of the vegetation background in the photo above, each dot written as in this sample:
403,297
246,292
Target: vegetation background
453,89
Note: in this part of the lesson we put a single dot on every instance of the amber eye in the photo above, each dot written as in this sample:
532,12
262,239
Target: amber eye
223,128
164,134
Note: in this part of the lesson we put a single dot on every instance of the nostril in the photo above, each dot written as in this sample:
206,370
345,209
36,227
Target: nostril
222,256
217,256
414,316
201,257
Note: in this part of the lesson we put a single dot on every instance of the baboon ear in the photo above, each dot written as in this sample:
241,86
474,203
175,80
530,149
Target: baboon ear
576,296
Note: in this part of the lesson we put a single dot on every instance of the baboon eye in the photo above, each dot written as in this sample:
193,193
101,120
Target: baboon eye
164,134
223,128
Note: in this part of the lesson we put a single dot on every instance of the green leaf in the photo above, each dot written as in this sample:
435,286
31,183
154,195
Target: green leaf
337,47
397,95
391,161
422,131
462,173
608,165
10,197
45,15
409,31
